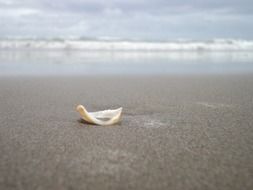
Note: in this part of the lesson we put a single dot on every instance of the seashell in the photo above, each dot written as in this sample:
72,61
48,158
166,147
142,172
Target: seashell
106,117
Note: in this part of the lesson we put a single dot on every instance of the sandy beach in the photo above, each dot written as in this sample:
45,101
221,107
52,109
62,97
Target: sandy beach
177,132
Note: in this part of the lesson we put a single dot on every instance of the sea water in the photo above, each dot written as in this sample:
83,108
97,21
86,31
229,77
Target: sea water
100,57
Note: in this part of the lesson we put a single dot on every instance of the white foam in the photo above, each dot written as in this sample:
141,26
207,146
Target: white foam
123,45
214,105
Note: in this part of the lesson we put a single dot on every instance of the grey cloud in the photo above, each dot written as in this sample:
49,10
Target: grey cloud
155,19
242,6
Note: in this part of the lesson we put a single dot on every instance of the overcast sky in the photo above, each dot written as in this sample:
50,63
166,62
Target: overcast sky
136,19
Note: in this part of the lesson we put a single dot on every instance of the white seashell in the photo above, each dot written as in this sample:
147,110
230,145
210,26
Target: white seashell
106,117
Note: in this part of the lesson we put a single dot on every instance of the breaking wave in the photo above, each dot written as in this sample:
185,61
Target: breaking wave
126,45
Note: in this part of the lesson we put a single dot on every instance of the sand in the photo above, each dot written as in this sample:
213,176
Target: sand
177,132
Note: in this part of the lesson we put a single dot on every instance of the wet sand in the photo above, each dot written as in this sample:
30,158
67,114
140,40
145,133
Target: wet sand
177,132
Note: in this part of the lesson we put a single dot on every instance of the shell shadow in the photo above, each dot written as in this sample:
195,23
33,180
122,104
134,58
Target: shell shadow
82,121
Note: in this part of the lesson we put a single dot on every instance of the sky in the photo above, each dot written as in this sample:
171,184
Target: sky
128,19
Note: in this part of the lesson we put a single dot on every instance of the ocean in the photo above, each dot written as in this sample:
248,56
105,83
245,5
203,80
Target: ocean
42,57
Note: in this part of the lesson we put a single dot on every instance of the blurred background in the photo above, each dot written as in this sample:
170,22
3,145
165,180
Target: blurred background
87,37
